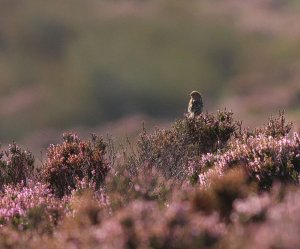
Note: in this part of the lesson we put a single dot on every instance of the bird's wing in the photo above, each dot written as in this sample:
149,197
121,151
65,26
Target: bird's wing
190,107
197,106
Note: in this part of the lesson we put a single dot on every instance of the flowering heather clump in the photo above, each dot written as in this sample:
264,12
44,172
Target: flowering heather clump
16,166
147,184
221,193
143,224
276,127
253,209
170,150
282,224
30,207
74,160
264,158
248,196
266,221
87,209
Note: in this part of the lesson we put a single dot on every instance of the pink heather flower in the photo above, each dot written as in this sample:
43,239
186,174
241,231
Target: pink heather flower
15,201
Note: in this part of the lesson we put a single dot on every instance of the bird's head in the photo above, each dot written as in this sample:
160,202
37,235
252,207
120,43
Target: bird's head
195,95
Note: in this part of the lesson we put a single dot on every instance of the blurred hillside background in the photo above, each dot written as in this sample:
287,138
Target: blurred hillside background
104,66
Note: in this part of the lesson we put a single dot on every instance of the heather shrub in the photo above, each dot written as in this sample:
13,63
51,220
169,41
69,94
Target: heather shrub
87,209
264,159
267,155
11,238
252,209
146,184
269,220
170,150
30,207
221,193
144,224
200,184
16,166
276,127
281,228
74,160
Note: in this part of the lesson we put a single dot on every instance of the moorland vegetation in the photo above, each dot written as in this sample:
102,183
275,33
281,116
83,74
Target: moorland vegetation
206,182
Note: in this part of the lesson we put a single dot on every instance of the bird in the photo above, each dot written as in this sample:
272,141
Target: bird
195,107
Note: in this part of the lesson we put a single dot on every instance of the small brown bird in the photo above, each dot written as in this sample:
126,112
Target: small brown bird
195,107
